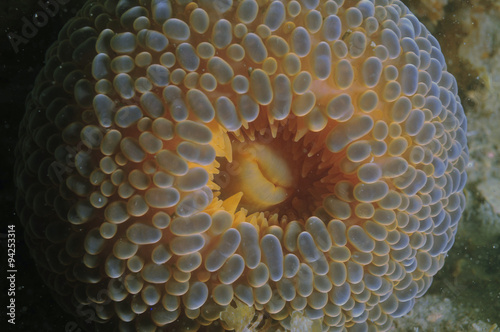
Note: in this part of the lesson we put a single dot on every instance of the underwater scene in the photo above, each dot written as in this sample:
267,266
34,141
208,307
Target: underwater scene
250,165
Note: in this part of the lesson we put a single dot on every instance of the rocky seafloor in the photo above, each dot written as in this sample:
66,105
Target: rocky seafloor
465,295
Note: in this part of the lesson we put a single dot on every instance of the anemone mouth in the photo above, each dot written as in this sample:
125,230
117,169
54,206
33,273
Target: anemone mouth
291,178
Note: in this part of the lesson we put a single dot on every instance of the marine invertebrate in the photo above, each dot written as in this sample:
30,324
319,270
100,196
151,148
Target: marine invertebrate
305,159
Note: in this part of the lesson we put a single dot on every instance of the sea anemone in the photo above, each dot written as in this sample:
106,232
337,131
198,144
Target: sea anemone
189,164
